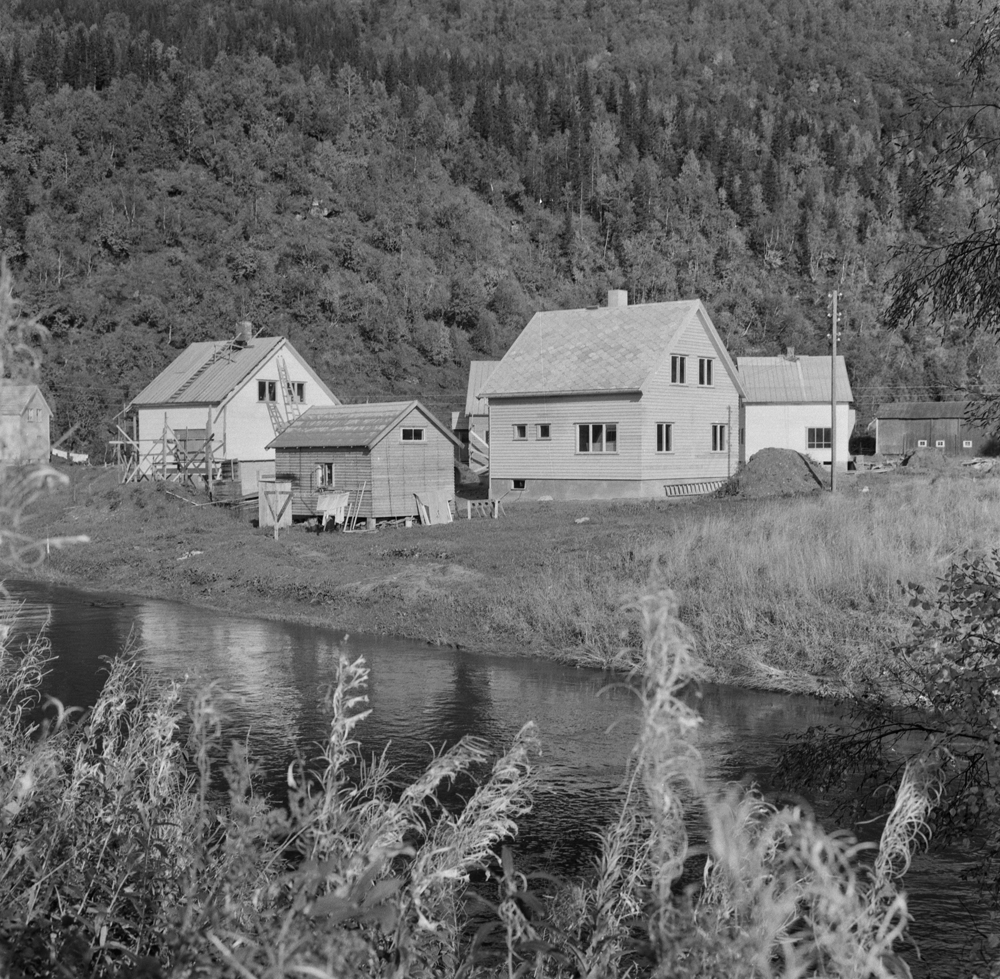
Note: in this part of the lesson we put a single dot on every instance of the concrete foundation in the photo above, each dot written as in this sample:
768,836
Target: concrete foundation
599,489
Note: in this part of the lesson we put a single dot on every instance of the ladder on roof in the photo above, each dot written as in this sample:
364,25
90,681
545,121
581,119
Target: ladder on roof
224,348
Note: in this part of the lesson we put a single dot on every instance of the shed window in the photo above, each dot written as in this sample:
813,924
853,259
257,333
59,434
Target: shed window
413,434
677,369
267,390
520,432
921,443
967,443
664,437
705,371
543,432
602,437
325,474
939,444
718,438
818,438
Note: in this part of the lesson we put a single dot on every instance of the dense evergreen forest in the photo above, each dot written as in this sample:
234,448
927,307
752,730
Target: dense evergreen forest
396,185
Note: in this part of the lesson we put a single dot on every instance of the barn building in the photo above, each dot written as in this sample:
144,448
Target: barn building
381,454
905,426
25,418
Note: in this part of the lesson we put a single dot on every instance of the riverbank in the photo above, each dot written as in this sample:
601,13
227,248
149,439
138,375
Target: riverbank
792,593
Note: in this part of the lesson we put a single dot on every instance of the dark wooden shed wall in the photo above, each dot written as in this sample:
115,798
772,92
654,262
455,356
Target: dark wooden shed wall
393,469
900,436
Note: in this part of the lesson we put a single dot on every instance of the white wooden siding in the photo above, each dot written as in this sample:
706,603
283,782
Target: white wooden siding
557,456
784,427
692,409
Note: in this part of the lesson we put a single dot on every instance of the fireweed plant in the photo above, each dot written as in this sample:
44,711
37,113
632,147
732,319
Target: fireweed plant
133,842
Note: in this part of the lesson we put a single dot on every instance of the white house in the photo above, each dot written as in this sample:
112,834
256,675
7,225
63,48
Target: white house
242,392
25,418
788,405
615,401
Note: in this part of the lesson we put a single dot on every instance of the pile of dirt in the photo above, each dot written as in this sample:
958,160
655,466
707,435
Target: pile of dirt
777,472
929,460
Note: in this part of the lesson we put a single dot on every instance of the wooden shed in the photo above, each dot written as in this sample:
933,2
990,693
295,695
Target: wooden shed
904,427
381,454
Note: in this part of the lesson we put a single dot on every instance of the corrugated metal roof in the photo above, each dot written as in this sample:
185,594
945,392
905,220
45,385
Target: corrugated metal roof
350,426
590,351
922,409
14,397
799,380
207,372
480,372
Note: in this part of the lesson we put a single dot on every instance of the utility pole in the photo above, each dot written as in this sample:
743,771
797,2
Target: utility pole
834,316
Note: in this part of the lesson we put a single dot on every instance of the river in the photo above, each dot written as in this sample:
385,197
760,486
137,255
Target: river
424,697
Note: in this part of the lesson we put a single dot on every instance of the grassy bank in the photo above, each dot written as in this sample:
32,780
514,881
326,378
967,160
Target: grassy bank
791,592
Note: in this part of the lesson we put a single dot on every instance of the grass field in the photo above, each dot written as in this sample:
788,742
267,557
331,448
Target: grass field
784,593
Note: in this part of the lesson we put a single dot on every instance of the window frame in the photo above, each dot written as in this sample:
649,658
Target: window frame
267,391
665,438
678,368
921,443
520,432
413,430
819,442
514,482
547,437
966,443
939,443
706,372
327,475
720,437
590,427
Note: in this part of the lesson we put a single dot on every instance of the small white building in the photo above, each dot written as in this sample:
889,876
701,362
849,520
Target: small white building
787,406
613,402
241,392
472,427
25,418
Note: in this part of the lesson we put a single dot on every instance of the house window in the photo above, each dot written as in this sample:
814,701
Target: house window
602,437
664,437
967,443
705,371
939,444
543,432
677,369
818,438
296,392
413,434
267,390
921,443
324,474
718,438
520,432
517,483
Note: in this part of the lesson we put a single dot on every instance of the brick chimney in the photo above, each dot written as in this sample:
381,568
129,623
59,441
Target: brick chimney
617,298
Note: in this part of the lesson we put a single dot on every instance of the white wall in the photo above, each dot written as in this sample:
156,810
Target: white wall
784,427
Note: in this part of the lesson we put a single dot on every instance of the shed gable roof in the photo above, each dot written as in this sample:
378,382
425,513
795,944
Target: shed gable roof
596,351
15,397
913,410
351,426
796,380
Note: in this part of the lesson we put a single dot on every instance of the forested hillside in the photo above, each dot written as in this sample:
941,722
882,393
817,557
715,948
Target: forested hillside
397,184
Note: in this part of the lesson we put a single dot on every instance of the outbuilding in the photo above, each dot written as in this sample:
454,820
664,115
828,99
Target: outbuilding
905,426
25,418
381,454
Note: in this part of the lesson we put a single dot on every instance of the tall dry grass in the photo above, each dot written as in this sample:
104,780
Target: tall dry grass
132,842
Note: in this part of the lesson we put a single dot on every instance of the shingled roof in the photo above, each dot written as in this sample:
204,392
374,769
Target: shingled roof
15,397
480,372
350,426
210,372
606,349
792,380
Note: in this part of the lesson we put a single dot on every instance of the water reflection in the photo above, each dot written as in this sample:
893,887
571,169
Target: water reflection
424,698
